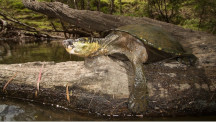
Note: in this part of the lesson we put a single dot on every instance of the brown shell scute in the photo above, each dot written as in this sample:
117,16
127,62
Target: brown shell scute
155,37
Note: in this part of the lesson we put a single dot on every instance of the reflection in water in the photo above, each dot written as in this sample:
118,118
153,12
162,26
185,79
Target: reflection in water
17,110
11,110
7,112
5,50
46,51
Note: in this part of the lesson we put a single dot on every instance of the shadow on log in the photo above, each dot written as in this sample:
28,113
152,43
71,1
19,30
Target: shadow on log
100,84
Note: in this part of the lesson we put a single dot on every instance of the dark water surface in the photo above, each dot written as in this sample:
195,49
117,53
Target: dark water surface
19,110
42,51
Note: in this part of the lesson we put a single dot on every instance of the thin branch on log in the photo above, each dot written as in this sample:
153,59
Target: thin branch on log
5,86
67,93
54,27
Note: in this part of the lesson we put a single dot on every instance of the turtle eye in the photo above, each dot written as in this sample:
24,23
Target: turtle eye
70,43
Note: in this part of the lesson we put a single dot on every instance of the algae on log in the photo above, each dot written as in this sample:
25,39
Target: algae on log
101,85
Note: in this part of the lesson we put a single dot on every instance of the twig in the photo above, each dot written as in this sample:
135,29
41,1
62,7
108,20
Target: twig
39,77
65,30
9,81
67,93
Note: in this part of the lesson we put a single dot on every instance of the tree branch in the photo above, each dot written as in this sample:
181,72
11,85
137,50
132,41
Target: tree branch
16,21
78,17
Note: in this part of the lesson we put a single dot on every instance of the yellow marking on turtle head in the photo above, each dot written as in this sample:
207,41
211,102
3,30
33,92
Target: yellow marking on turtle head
83,49
159,48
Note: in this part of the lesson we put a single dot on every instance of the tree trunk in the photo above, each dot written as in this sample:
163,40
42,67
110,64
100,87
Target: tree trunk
82,4
120,6
88,4
98,5
150,13
75,4
101,84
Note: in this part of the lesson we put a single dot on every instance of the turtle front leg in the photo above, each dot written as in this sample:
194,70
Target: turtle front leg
138,96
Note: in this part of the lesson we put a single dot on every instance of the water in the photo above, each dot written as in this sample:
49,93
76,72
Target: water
19,110
15,110
42,51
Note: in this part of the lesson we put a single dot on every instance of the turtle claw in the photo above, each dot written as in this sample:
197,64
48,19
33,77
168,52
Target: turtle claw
137,105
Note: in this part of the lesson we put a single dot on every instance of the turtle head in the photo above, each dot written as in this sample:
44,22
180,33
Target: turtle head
83,47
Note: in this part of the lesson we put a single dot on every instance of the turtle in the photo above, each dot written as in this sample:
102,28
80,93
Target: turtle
140,44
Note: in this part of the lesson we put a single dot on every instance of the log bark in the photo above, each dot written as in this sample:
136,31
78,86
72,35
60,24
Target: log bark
101,84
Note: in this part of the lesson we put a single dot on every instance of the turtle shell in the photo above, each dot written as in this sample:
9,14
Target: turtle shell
155,37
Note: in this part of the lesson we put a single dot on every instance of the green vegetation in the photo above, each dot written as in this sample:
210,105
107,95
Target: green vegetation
193,14
16,10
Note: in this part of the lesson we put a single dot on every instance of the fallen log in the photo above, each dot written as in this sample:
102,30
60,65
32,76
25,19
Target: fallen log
97,21
101,84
